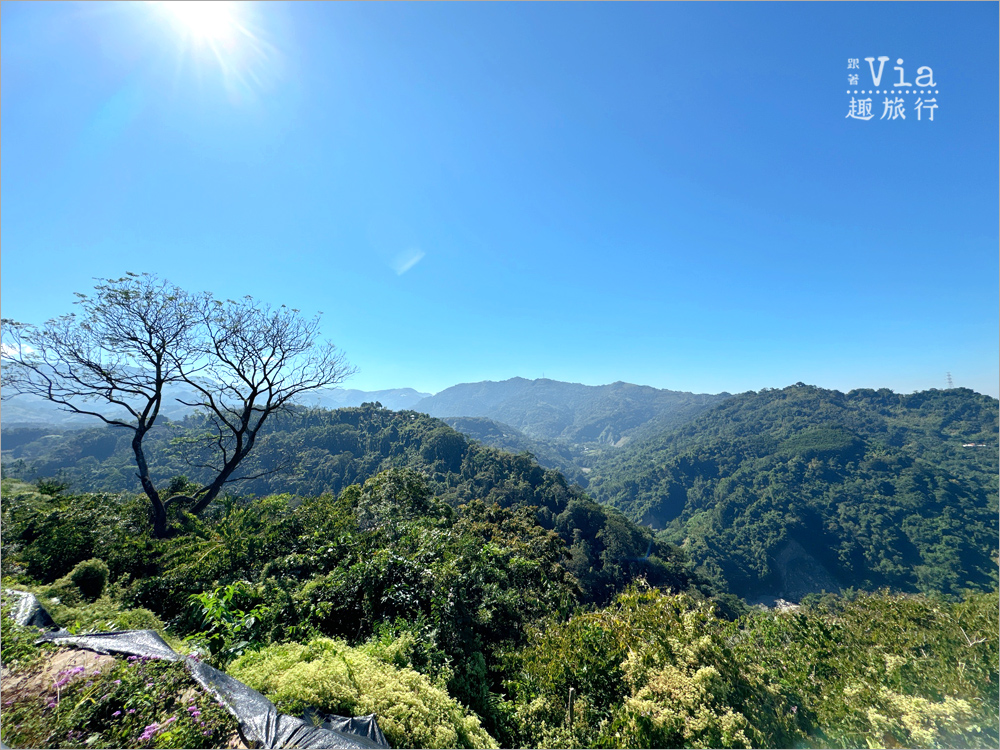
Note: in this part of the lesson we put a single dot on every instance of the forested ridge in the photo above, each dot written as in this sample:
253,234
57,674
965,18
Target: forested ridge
877,488
571,414
382,562
309,452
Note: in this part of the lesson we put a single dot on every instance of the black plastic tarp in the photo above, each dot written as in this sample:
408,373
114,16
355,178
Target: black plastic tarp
365,725
260,723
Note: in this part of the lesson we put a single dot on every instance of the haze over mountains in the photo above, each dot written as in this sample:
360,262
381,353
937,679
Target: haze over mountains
553,410
541,409
777,493
24,411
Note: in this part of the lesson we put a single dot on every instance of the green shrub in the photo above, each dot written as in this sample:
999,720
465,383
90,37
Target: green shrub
650,670
90,577
884,669
18,650
227,630
336,678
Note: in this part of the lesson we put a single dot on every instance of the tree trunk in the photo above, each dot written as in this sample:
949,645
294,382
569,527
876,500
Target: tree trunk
157,511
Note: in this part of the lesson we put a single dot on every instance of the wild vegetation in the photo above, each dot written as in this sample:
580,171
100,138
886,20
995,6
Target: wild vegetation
866,489
465,627
330,451
437,587
570,414
371,561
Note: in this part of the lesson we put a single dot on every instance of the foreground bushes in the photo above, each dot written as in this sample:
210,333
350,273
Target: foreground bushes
885,669
661,670
336,678
463,627
650,670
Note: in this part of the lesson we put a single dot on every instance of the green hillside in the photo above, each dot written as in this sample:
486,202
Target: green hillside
459,592
316,451
546,409
552,454
784,492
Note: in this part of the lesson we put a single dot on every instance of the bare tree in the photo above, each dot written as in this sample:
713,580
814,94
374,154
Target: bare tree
138,334
253,361
122,351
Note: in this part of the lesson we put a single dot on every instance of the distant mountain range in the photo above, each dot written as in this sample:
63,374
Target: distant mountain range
30,411
552,410
773,494
565,426
548,410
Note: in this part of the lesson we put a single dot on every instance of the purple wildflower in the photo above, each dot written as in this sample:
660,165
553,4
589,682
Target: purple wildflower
171,719
149,684
207,732
149,732
117,713
52,704
131,710
118,682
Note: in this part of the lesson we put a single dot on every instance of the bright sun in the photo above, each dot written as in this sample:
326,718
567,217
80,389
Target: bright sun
208,20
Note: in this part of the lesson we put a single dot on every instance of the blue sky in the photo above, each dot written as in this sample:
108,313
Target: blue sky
665,194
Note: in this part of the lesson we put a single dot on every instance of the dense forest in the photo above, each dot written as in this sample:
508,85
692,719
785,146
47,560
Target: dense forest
383,562
787,490
570,413
465,628
315,451
772,494
552,454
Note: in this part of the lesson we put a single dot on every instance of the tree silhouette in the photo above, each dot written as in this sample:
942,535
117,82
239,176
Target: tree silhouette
241,362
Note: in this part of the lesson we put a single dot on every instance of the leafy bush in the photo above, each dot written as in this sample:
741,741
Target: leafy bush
51,535
650,670
18,650
89,577
228,630
885,669
330,675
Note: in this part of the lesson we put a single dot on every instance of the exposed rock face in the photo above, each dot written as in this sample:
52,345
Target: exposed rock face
800,574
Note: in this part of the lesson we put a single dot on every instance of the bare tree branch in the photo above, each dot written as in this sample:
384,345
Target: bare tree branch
244,361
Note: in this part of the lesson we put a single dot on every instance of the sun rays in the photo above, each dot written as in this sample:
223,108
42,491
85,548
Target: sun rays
223,31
